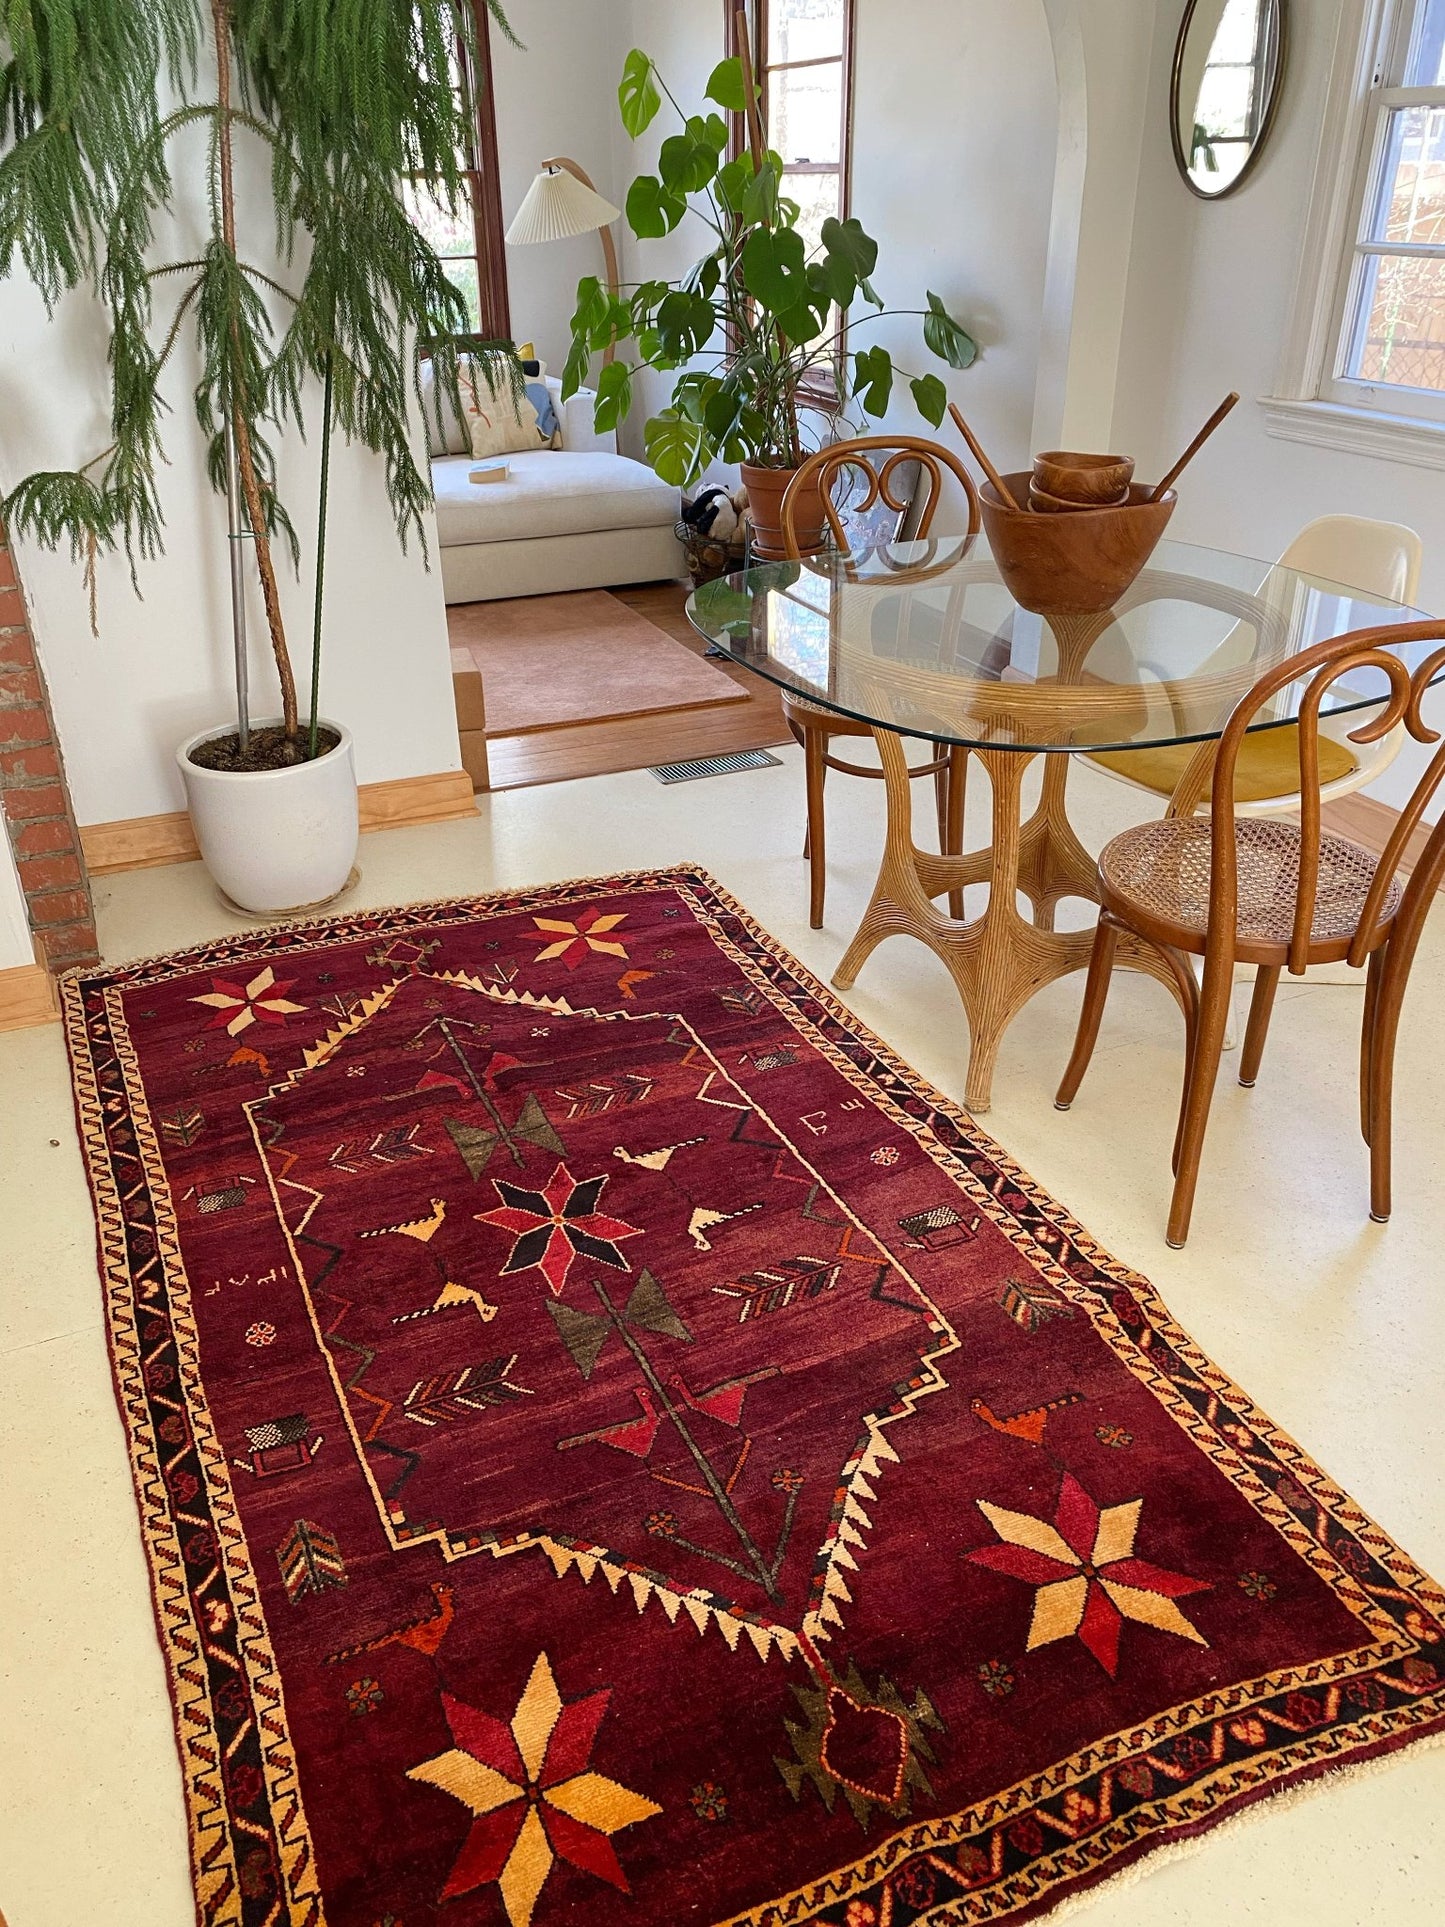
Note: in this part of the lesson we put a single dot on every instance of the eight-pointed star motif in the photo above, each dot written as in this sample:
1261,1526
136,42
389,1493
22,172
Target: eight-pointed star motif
574,940
557,1224
1088,1580
530,1795
238,1006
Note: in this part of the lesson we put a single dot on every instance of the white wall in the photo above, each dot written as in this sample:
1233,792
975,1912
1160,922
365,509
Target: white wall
1209,295
161,667
955,120
15,947
557,96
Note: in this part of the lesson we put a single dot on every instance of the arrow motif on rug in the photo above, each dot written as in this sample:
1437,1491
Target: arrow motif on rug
594,1100
310,1560
450,1395
393,1146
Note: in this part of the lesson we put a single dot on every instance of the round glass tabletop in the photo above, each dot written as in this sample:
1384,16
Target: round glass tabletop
923,638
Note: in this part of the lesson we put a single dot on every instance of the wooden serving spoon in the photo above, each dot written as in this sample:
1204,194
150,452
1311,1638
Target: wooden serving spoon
1000,485
1194,447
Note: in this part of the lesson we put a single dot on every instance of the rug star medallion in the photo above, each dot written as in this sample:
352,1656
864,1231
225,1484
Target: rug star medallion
613,1445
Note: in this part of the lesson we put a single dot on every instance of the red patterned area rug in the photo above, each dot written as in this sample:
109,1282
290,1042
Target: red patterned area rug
613,1446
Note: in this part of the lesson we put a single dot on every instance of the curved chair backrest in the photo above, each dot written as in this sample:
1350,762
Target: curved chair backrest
1318,668
882,480
1378,558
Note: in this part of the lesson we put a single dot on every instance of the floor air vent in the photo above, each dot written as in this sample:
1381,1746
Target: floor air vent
714,766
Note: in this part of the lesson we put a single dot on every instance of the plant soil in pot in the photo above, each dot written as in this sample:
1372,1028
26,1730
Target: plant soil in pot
280,839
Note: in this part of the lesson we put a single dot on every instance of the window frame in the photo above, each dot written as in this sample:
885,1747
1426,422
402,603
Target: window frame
483,183
820,393
1314,401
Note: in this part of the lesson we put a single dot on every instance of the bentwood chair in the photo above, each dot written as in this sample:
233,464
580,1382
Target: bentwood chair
1276,894
815,727
1376,558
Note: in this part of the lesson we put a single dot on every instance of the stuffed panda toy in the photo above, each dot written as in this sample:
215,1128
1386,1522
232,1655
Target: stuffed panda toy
712,513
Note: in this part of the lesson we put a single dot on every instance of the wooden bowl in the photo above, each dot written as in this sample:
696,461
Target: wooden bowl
1083,478
1083,562
1047,504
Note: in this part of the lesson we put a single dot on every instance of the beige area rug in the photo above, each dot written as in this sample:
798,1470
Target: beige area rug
582,658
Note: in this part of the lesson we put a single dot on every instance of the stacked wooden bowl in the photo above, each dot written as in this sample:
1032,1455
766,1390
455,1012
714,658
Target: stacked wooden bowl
1063,482
1076,531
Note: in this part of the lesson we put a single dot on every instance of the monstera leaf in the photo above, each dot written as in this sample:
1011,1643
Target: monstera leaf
725,86
653,209
873,380
930,398
638,95
947,338
614,395
679,450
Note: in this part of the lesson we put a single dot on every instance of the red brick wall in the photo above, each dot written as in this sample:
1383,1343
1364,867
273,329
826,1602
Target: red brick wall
33,792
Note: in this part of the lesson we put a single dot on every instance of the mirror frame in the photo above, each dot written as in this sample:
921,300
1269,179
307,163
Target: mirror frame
1271,108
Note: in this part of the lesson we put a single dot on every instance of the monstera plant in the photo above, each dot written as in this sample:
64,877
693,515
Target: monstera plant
757,326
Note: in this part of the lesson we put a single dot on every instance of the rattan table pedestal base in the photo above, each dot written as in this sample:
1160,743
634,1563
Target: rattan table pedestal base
997,960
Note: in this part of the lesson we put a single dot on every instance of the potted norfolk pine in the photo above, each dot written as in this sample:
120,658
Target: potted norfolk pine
325,110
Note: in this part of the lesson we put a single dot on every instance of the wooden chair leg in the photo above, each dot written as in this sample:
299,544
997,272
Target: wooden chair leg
1367,1033
1096,992
1266,982
1199,1094
956,779
815,749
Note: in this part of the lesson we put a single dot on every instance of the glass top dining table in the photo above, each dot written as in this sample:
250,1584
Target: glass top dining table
923,639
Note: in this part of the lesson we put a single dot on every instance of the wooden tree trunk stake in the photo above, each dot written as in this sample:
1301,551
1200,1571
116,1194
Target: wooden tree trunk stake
245,460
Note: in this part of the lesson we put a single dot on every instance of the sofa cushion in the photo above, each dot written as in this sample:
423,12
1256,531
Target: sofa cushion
548,492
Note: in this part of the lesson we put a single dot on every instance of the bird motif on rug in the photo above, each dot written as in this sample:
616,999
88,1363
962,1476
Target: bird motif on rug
422,1229
1029,1425
423,1636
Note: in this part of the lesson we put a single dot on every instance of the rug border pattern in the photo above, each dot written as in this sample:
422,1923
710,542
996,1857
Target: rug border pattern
1177,1373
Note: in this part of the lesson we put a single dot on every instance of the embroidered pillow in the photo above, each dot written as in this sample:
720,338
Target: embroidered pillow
499,422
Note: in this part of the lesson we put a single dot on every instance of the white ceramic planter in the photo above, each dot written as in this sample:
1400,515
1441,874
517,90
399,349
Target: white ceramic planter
280,839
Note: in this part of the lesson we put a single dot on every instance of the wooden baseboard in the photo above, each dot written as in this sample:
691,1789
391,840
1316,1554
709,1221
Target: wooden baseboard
27,996
145,842
1364,820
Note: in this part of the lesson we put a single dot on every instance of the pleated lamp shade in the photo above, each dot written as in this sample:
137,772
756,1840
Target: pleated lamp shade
559,205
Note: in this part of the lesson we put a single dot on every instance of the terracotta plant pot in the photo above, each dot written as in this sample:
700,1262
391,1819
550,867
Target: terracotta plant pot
1079,563
766,488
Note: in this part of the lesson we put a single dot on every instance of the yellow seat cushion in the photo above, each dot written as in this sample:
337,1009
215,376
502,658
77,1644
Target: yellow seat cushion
1268,764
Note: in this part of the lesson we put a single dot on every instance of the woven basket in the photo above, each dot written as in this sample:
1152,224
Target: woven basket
707,559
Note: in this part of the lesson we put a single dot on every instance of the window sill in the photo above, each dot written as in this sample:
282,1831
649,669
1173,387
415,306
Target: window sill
1361,431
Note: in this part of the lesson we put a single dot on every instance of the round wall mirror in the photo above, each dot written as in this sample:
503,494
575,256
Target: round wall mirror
1227,71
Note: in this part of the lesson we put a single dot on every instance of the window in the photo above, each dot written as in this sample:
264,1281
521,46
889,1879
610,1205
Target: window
1392,335
802,55
469,242
1363,362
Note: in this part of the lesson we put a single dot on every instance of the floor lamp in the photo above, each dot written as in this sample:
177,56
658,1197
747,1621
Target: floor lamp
562,202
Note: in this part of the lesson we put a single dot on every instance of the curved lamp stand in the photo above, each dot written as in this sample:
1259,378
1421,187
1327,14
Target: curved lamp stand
562,201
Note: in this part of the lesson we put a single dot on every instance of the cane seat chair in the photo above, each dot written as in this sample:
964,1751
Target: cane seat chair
1375,558
1275,894
881,462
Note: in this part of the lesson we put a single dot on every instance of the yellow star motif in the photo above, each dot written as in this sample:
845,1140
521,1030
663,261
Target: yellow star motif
238,1006
530,1795
1088,1577
574,940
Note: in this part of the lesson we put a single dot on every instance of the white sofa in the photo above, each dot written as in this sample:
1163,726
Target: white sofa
576,517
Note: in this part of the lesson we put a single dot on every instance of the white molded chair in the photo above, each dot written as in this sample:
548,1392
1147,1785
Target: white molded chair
1377,558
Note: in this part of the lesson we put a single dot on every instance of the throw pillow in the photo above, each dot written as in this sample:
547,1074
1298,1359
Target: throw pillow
498,422
540,397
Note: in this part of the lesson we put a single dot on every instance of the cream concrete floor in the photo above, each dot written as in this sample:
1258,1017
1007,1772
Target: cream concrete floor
1336,1326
